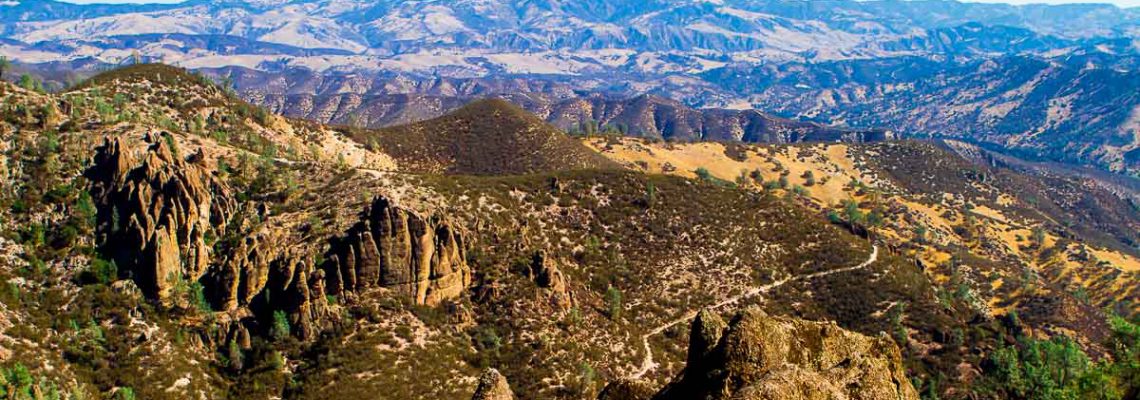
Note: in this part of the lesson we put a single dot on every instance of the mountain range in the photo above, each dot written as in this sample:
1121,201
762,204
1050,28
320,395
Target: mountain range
1053,83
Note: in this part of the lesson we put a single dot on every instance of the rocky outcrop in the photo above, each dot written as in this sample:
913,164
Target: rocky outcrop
161,216
421,258
157,214
545,273
493,386
704,336
763,357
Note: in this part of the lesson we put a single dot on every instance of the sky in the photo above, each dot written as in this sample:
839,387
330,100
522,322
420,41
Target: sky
1122,3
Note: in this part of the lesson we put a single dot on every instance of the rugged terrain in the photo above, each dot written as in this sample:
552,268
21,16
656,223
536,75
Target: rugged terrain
642,116
163,239
1048,82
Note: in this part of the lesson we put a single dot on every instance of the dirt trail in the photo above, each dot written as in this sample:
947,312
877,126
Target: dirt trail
648,364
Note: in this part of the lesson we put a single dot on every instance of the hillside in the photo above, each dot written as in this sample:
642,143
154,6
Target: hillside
487,137
937,207
161,239
1079,110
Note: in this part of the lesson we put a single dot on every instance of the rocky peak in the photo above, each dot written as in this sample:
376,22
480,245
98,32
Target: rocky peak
423,258
547,275
159,216
758,356
704,335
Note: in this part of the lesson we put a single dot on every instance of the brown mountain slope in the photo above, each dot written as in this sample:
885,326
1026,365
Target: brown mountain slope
486,137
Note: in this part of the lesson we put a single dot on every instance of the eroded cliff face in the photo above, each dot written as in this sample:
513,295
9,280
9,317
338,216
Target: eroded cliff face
423,258
157,212
762,357
170,222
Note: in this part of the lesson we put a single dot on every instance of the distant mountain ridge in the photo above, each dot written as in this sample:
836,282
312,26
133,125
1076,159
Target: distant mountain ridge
488,36
1051,82
641,116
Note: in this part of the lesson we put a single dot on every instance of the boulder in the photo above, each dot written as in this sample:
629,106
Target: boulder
493,386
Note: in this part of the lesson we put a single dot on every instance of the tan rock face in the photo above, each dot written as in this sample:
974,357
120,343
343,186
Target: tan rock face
493,386
158,216
762,357
421,258
156,213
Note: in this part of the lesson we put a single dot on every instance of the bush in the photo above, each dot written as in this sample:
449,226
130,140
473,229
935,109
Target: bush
280,328
101,271
198,298
703,173
1057,368
613,303
125,393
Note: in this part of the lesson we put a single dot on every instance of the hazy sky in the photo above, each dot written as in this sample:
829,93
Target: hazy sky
1123,3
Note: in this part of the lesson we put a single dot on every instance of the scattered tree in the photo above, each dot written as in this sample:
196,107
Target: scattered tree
703,173
613,303
280,328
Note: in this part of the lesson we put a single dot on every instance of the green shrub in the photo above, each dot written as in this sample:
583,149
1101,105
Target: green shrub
125,393
613,303
102,271
198,298
280,328
703,173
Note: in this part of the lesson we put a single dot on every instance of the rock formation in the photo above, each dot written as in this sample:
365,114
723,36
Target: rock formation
760,357
156,215
493,386
159,219
421,258
546,274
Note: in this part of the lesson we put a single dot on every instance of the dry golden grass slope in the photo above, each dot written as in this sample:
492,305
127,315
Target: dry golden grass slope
980,217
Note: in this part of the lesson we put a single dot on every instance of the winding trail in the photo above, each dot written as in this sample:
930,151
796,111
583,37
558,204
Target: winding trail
648,364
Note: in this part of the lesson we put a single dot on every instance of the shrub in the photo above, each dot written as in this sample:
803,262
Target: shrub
125,393
280,328
613,303
587,378
102,271
650,194
703,173
198,298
